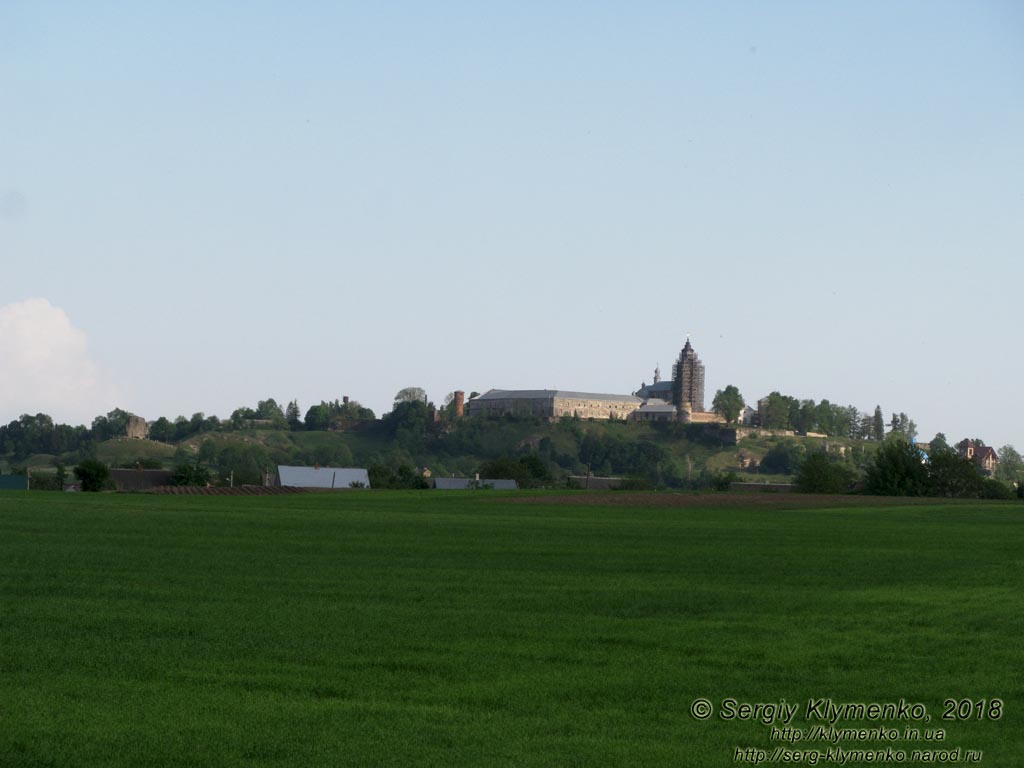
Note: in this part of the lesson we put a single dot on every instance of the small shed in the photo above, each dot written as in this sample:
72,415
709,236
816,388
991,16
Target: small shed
336,478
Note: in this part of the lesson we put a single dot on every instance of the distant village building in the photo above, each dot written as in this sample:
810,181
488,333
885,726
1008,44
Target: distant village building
136,428
982,455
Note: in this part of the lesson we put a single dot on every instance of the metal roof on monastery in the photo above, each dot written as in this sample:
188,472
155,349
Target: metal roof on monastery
536,394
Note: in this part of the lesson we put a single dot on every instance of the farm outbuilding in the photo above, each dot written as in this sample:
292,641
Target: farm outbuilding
322,477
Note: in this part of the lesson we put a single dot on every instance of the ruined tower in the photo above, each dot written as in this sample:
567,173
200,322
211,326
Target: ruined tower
688,380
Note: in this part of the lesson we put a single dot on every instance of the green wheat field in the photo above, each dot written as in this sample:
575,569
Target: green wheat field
480,629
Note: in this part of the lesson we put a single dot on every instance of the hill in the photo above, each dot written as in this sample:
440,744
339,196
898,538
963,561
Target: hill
534,451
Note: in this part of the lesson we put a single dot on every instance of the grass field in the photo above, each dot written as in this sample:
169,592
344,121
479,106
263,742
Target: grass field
374,628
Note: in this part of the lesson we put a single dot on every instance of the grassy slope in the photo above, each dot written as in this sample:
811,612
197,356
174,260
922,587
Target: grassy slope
419,629
503,438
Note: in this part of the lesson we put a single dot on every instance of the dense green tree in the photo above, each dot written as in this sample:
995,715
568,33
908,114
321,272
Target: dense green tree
318,417
191,474
246,461
114,424
783,458
1011,464
404,476
269,410
777,411
995,489
411,395
951,475
898,469
207,452
878,425
162,430
293,415
819,473
197,423
335,454
505,469
93,475
528,471
728,403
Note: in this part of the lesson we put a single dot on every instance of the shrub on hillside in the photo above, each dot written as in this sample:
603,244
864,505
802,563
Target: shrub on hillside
783,458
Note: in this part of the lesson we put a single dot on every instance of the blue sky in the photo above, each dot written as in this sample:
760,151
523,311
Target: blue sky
222,204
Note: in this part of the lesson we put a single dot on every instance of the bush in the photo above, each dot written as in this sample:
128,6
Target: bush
783,458
635,483
821,474
93,475
994,489
191,474
898,470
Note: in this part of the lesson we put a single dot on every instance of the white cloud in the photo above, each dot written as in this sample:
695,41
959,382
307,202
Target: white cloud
45,366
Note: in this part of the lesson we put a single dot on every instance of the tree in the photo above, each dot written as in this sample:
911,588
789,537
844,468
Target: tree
269,410
878,425
897,470
411,395
951,475
114,424
92,474
782,458
1011,464
191,473
293,415
61,476
318,417
777,411
728,403
819,473
853,422
162,430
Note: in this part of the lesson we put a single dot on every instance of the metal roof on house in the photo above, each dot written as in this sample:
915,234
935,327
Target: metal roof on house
465,483
322,477
536,394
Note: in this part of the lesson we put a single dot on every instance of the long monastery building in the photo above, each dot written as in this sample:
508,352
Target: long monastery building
681,399
553,403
